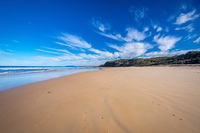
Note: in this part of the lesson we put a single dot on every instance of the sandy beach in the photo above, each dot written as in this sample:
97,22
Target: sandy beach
112,100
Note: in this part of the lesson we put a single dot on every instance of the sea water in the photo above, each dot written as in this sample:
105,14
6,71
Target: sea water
14,76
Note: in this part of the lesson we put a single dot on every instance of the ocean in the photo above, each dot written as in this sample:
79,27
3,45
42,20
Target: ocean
14,76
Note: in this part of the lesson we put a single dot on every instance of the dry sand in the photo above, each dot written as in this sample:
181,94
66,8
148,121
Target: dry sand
112,100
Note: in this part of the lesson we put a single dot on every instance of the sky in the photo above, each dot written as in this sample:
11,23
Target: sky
91,32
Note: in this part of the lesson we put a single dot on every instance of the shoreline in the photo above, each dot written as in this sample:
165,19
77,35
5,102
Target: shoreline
10,81
117,99
49,80
100,68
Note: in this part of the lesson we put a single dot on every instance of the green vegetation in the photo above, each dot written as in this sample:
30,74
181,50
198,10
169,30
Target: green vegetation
192,57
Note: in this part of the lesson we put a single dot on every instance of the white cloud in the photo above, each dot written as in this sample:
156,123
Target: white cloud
163,53
117,36
185,17
191,36
78,59
47,51
133,34
157,28
188,28
168,53
63,55
89,56
129,50
157,53
100,26
59,50
166,42
65,44
197,40
146,29
105,54
73,41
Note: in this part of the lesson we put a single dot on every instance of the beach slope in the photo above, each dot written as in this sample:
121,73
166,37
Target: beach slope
112,100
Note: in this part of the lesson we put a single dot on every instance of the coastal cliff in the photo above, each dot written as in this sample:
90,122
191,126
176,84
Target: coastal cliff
192,57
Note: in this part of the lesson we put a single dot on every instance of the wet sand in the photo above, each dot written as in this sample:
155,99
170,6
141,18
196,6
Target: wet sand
112,100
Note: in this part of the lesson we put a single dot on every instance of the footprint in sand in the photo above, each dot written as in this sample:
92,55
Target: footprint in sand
100,116
179,118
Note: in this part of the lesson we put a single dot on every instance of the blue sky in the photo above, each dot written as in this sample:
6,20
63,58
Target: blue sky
90,32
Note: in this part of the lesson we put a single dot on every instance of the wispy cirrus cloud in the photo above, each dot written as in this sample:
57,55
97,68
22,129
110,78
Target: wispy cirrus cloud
185,17
197,40
115,36
59,50
188,28
68,57
191,36
65,60
47,51
166,42
73,41
73,59
105,54
132,34
65,44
